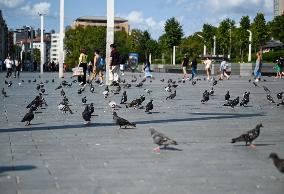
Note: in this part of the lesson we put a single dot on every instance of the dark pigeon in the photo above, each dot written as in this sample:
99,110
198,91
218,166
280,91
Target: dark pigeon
28,117
245,99
205,97
279,95
249,136
270,99
172,96
149,106
279,163
122,122
227,96
123,98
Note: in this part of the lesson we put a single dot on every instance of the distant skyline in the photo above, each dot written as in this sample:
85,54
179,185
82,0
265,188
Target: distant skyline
144,15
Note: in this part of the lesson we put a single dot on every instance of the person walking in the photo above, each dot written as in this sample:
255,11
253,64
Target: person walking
147,69
208,66
258,66
184,65
278,69
193,68
98,67
223,72
114,65
9,64
18,66
83,63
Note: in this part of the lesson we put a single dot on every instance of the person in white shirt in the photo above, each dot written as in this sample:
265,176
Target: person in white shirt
223,72
208,64
9,63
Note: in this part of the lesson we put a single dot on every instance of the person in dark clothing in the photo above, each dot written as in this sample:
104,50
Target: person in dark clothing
193,67
114,64
184,65
35,65
18,66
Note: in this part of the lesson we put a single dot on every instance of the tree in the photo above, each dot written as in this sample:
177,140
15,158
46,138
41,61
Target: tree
259,31
223,35
88,37
173,32
208,33
243,35
277,28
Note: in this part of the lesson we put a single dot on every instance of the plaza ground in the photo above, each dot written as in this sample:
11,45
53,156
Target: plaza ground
59,154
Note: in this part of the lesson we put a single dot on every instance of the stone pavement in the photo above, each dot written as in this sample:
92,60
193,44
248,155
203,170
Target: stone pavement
59,154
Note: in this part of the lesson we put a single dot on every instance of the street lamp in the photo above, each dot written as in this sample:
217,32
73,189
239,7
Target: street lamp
61,38
214,48
174,55
204,46
41,44
110,36
230,48
250,39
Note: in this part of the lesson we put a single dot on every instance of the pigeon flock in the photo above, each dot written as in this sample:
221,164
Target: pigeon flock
144,101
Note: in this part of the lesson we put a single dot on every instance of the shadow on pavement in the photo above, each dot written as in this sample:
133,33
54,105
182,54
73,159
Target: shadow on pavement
16,168
207,116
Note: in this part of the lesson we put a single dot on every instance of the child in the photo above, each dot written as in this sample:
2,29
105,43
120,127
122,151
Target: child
278,69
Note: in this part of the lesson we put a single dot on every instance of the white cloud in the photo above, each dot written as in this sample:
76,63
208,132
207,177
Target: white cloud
151,22
34,10
176,2
12,3
135,17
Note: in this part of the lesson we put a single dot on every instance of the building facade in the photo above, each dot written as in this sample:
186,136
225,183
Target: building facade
3,38
120,24
278,7
54,48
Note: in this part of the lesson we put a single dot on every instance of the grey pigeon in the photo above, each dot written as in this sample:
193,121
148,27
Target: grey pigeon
160,139
172,96
270,99
279,163
279,95
123,98
245,99
249,136
227,96
266,90
149,106
122,122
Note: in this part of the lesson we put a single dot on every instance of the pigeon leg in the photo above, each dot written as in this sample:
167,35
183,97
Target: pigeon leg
252,146
157,149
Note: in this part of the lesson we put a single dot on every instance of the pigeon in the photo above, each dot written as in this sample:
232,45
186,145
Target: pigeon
86,114
29,81
205,97
38,87
42,90
214,82
46,81
139,85
269,98
211,92
113,105
148,91
281,103
59,87
127,85
245,99
117,90
172,96
122,122
249,136
84,100
74,81
92,88
36,102
160,139
105,93
28,117
266,89
193,82
279,95
279,163
149,106
34,80
174,85
227,96
135,79
255,84
4,93
65,108
162,80
62,93
123,98
10,84
168,88
52,80
170,80
91,108
233,103
6,82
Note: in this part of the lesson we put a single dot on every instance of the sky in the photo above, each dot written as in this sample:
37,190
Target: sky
142,14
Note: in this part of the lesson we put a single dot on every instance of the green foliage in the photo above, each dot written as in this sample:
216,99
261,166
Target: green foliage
259,31
272,56
173,32
88,37
37,55
223,35
277,27
208,32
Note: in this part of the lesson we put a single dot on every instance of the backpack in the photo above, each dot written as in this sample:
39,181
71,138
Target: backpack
101,63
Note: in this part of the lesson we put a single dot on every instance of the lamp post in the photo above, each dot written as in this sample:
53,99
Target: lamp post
204,46
214,48
230,48
110,36
174,55
41,44
250,39
61,38
32,43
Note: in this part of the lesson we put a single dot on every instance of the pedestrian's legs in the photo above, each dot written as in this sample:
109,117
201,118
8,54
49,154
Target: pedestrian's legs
116,74
184,72
193,73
